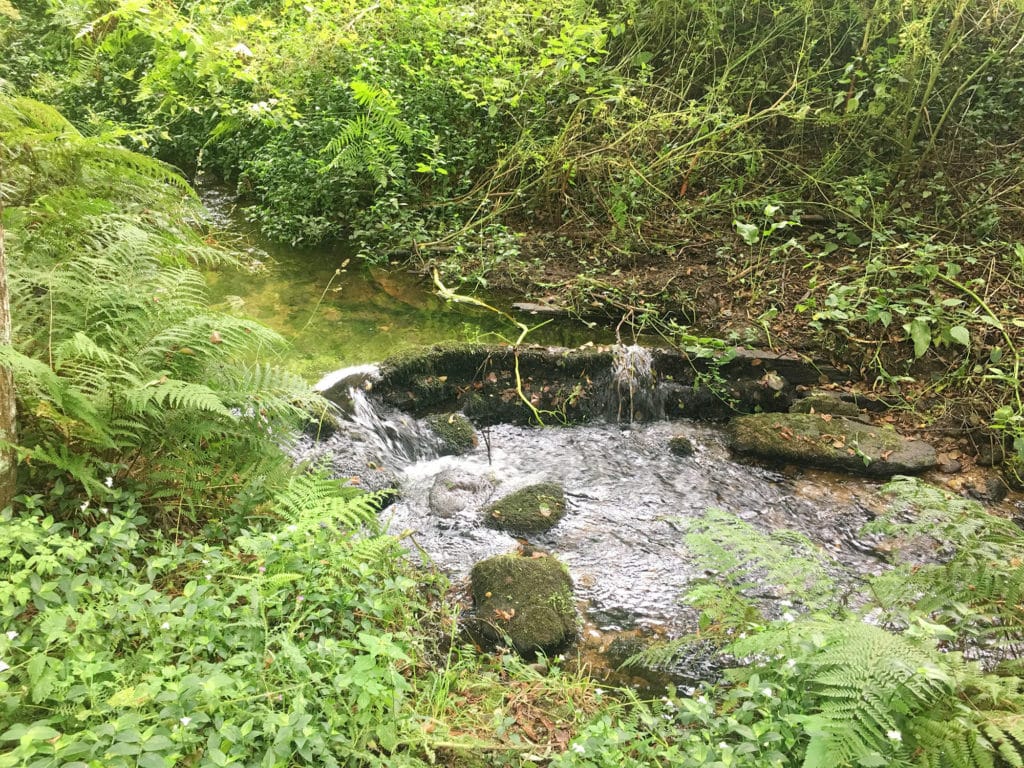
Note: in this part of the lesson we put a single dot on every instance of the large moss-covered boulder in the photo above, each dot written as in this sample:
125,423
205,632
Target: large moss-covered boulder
533,509
455,432
529,600
831,442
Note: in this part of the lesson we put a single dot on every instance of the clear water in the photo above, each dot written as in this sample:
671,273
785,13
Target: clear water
337,312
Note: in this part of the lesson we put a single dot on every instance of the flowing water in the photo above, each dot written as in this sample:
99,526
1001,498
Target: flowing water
629,500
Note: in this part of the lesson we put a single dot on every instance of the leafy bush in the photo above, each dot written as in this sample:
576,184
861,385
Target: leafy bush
285,647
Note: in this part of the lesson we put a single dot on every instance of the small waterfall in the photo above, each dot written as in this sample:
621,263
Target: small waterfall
366,442
399,440
635,393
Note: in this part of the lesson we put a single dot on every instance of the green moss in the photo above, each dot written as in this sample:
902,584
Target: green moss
529,600
823,402
533,509
455,431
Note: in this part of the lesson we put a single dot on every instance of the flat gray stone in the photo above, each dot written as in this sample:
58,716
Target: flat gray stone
830,442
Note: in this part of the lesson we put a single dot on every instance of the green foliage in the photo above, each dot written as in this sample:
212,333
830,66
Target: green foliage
284,647
122,371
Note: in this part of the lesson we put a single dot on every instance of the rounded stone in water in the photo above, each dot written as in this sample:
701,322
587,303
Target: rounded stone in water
456,490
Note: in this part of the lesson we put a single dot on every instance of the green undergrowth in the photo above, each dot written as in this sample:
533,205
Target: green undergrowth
173,591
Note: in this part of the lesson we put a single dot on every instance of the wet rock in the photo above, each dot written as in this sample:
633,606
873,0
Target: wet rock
455,432
456,490
681,445
324,426
337,386
991,454
825,402
949,466
533,509
686,663
988,488
527,600
573,385
830,442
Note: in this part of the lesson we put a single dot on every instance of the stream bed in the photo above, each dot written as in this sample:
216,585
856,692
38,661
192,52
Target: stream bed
628,497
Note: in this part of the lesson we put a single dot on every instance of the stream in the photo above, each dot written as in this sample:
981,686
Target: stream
628,496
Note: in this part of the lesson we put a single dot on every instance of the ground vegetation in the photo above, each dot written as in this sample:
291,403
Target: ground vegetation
844,179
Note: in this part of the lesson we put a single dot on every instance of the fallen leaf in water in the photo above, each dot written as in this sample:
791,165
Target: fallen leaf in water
505,615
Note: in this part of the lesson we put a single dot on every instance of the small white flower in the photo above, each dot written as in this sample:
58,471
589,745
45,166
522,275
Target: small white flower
578,748
292,528
4,666
722,745
787,616
85,505
791,663
208,577
767,692
109,482
894,735
12,635
165,625
185,720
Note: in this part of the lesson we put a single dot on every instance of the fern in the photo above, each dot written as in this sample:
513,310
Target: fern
369,143
121,368
316,498
976,588
746,559
871,697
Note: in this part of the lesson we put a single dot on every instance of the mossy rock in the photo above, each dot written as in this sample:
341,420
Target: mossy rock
831,442
825,402
455,432
533,509
681,445
529,600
